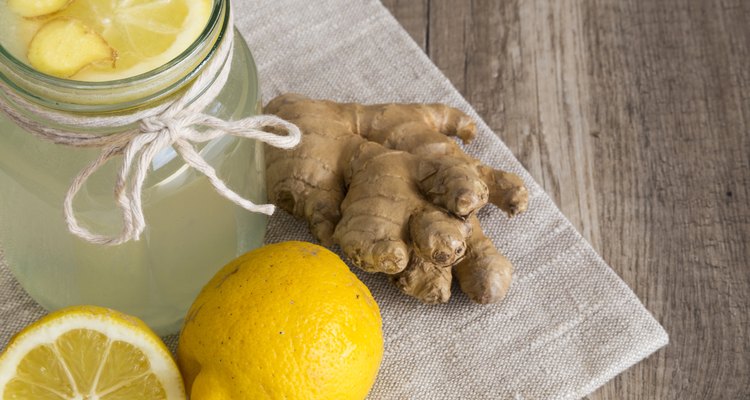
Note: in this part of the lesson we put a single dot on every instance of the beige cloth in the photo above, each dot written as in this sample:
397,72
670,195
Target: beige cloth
569,323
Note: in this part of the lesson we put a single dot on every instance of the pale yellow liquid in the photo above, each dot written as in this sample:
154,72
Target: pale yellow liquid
192,231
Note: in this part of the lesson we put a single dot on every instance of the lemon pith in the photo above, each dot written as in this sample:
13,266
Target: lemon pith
88,353
285,321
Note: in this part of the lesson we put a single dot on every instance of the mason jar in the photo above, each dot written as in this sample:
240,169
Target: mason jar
191,230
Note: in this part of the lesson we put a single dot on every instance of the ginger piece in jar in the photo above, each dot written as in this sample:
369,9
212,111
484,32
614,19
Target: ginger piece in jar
36,8
64,46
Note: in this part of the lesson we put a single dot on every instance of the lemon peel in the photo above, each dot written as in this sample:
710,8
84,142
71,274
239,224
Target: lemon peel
288,320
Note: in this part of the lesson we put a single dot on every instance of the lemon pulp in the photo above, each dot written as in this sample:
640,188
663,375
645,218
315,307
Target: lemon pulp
144,34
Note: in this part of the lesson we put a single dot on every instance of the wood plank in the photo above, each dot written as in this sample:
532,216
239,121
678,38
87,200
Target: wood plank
673,170
412,14
633,115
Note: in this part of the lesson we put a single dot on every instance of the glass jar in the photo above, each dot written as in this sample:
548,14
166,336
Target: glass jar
192,231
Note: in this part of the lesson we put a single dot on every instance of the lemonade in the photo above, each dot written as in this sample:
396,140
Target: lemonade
127,37
192,231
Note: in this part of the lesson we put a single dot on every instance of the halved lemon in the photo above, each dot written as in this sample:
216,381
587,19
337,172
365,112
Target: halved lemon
89,353
145,33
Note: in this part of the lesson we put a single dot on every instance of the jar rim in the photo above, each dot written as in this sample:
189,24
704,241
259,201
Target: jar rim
59,91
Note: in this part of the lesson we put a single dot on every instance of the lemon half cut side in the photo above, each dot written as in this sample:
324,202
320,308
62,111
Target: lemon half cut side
88,353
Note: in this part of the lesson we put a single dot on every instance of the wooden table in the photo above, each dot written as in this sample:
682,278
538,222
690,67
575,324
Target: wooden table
634,115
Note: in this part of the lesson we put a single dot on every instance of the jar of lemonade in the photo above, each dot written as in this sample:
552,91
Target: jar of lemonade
154,51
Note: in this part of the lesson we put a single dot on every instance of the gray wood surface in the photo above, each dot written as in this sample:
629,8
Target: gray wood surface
634,115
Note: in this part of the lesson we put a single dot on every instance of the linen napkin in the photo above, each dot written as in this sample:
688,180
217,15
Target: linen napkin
568,325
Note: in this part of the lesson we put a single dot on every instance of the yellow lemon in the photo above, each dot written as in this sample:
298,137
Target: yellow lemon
88,352
286,321
144,34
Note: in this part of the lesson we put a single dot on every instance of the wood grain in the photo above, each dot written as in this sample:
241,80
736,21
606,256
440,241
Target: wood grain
634,115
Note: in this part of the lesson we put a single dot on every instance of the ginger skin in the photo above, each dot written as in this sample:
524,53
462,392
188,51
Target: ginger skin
390,186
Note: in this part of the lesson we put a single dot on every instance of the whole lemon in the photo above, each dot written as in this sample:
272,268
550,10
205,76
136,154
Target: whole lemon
286,321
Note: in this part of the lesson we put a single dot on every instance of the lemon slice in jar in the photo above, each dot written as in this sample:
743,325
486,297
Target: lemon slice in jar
144,34
88,353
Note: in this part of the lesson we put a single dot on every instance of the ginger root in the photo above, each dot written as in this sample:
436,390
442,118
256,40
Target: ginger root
390,186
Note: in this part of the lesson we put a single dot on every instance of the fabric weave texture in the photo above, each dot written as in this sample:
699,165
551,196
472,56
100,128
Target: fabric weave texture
569,323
